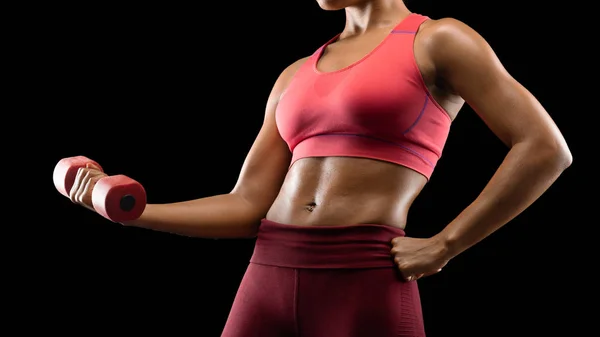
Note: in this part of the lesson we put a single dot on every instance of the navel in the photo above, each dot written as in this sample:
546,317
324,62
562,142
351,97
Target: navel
310,206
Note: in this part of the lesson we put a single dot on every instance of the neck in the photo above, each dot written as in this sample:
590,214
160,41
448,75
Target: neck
373,14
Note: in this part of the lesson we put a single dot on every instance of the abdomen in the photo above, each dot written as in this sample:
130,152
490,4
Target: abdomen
333,191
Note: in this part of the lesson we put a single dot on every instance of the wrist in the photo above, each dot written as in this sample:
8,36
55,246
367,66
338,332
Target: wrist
140,220
449,245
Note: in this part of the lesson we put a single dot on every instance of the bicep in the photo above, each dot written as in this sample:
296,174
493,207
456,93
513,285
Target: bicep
268,160
472,70
265,166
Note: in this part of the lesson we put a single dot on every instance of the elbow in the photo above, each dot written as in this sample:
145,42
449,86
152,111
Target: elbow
253,210
250,235
250,231
554,154
561,154
565,158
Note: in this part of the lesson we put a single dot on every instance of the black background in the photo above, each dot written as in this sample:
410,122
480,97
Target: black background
173,94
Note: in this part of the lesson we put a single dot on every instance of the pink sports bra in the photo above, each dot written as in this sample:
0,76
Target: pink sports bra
378,107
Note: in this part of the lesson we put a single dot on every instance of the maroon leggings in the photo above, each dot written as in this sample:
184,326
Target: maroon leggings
324,281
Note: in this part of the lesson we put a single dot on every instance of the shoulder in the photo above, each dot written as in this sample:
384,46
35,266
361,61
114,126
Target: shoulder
286,76
446,32
449,41
289,72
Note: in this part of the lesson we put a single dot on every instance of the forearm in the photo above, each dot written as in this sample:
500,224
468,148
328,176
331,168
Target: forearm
527,171
221,216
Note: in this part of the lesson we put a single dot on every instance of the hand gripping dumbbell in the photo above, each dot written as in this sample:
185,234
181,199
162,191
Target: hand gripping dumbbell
117,198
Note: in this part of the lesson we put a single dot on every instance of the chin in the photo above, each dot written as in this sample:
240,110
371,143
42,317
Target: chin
333,5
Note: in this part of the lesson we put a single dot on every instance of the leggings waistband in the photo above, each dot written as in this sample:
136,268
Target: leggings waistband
347,246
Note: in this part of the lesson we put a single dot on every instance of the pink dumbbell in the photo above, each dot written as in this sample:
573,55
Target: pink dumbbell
117,198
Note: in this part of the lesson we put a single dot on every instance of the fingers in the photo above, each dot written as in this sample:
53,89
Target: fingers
409,275
432,272
85,180
76,183
93,167
414,277
83,191
418,276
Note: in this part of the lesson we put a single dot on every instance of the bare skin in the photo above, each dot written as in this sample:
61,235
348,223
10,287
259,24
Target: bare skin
458,66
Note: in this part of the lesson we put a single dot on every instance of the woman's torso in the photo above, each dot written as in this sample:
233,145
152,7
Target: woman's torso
350,190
